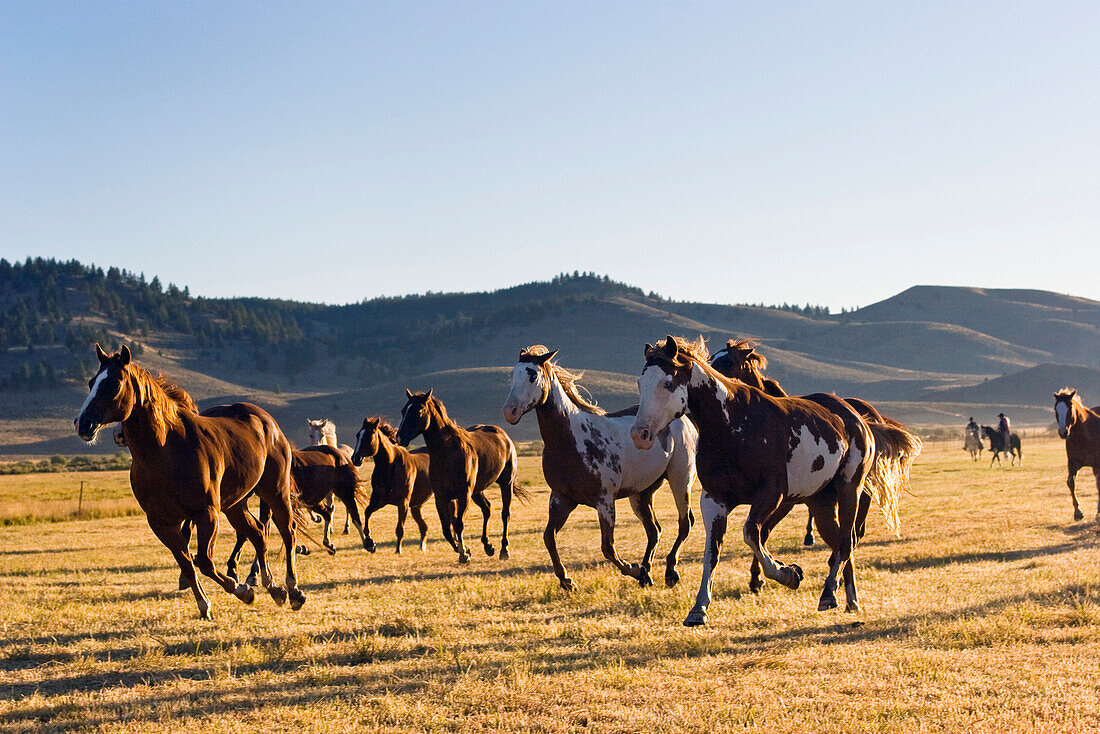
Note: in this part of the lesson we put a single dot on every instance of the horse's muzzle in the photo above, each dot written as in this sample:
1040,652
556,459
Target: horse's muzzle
642,438
511,414
86,429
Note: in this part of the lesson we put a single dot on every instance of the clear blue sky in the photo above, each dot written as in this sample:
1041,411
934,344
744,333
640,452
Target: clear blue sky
727,152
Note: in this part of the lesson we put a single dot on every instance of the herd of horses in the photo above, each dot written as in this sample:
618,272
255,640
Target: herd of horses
711,417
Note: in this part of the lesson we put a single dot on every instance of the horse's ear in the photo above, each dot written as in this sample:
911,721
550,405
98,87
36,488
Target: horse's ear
429,395
103,356
670,347
544,358
648,348
125,355
1072,394
409,393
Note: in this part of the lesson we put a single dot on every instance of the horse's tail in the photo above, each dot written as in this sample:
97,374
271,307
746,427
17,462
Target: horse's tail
895,451
302,514
519,492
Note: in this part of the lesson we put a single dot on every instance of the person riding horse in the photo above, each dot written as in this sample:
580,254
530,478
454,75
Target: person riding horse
972,427
1004,428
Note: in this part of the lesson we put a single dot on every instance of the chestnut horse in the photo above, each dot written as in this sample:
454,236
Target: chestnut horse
763,451
188,467
1079,427
322,432
464,461
588,458
400,478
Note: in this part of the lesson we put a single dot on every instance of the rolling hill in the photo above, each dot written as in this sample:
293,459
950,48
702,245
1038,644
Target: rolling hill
932,354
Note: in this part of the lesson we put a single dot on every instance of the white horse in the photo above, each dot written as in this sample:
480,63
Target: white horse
588,458
322,432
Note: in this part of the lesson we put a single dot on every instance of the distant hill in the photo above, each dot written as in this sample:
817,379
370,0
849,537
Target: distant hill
923,350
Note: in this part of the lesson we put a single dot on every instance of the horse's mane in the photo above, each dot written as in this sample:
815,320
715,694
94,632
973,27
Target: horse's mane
695,351
1069,392
163,398
567,379
382,425
752,360
177,393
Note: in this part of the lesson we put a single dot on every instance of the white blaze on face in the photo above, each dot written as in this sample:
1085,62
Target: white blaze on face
92,394
658,405
1061,411
358,440
811,465
525,391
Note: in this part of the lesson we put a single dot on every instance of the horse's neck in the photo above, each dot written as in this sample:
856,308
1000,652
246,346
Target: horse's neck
387,452
328,436
556,414
145,433
707,397
440,429
752,377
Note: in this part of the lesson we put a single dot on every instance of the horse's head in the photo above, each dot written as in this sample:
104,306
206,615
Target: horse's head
369,438
662,390
111,397
1063,410
530,382
738,359
317,431
415,416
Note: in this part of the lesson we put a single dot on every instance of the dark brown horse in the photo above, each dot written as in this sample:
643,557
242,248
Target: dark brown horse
762,451
1080,427
188,467
997,446
464,462
588,458
896,448
400,478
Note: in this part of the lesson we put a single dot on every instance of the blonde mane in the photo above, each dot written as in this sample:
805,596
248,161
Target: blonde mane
163,399
695,351
567,380
754,361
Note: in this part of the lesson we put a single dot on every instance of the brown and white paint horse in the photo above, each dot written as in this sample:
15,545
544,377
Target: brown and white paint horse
401,478
589,459
762,451
464,462
322,432
1080,428
188,467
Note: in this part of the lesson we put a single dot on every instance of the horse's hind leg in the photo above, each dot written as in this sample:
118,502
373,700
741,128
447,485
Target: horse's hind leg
642,504
248,528
399,531
848,502
755,582
809,539
423,527
284,520
768,503
507,482
482,502
185,531
1097,497
173,538
605,508
681,494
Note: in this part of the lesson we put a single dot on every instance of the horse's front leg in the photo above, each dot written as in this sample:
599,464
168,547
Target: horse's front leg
642,505
714,523
483,503
458,522
1071,482
605,508
560,507
206,532
174,540
756,583
760,512
1098,498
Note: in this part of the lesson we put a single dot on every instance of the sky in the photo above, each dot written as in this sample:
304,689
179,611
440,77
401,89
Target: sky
734,152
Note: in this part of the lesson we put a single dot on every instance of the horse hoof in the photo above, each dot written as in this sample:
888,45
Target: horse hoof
671,577
369,547
756,585
808,540
297,599
464,558
278,594
245,593
424,548
827,603
331,549
697,618
504,554
489,549
1078,515
205,615
852,606
567,584
644,579
302,550
794,576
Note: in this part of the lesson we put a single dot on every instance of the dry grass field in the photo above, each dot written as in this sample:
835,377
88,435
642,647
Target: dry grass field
983,616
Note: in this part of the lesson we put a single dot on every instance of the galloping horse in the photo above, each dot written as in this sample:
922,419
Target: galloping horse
896,448
400,477
1080,428
997,446
322,432
588,458
186,467
762,451
464,461
973,444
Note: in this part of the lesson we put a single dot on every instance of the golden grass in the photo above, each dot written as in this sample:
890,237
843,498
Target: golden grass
983,616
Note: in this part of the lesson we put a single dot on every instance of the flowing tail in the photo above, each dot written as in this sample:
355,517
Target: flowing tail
895,451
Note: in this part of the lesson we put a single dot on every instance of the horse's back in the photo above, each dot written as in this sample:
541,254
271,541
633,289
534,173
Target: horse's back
495,451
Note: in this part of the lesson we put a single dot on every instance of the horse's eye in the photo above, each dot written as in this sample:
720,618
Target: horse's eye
668,385
531,375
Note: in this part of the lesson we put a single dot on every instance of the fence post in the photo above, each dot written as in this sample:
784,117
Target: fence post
80,501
